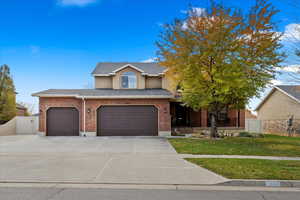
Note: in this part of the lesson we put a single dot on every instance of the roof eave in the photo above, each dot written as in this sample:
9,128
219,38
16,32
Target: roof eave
109,74
54,95
143,73
264,99
129,97
108,96
128,65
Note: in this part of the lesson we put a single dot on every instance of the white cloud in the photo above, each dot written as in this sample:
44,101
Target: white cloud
291,33
290,68
199,11
80,3
149,60
195,10
277,82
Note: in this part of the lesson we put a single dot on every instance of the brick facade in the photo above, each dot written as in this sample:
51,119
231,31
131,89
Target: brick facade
161,104
91,106
233,115
46,103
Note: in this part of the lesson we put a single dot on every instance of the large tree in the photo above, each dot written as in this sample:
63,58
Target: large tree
7,95
221,58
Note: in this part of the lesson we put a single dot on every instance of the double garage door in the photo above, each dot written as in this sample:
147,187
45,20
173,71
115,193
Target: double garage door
111,121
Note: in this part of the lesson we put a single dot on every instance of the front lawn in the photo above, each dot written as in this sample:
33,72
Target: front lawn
270,145
251,168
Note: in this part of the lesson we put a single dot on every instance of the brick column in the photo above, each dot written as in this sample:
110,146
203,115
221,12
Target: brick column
203,118
242,118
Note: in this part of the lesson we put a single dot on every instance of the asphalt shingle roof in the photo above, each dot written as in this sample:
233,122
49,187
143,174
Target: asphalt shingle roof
293,90
105,92
20,106
109,67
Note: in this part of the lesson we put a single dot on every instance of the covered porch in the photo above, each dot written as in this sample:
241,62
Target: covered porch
185,117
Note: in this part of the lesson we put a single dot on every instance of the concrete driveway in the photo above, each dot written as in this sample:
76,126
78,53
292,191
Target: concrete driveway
132,160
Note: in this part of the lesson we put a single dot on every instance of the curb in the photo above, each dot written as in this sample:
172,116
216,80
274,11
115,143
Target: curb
262,183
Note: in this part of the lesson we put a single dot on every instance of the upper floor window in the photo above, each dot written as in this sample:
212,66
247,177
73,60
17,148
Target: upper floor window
128,80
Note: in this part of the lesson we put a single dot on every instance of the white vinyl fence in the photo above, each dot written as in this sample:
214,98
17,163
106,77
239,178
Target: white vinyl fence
27,125
20,126
253,125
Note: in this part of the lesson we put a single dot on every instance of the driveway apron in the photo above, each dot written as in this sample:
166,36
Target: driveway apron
123,160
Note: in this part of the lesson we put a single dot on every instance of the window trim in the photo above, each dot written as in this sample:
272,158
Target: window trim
121,79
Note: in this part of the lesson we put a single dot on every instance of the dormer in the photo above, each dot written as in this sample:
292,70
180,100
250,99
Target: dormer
130,76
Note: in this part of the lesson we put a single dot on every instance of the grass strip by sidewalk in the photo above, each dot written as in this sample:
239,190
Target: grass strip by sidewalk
270,145
251,168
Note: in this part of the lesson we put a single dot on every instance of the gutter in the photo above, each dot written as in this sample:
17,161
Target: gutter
83,101
110,97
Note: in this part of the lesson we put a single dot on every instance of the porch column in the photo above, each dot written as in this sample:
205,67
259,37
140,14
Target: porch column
203,118
237,121
242,118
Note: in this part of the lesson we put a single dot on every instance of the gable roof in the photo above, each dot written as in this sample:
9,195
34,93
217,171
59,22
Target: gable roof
292,91
110,68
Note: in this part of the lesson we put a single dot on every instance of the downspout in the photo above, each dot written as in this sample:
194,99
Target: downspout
83,100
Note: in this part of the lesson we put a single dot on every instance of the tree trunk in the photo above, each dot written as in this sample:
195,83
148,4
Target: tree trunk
213,125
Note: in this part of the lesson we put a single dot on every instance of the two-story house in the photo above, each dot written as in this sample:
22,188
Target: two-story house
129,99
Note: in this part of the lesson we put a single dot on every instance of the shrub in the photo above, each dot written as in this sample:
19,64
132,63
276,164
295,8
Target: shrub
247,134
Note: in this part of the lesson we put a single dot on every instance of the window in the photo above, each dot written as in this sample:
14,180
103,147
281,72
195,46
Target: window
223,115
128,80
222,118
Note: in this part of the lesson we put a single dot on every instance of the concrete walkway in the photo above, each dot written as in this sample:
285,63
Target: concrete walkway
105,160
238,156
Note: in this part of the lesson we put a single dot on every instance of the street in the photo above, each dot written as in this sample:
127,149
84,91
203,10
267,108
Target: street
32,193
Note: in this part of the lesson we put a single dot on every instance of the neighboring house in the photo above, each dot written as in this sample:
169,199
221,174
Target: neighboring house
282,102
249,114
21,110
129,99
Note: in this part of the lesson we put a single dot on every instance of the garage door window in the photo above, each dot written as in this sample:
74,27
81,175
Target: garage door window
128,80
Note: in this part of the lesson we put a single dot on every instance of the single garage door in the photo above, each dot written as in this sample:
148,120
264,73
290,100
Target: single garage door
62,122
127,121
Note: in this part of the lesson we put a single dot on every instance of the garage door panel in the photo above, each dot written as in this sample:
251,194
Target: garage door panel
62,122
127,121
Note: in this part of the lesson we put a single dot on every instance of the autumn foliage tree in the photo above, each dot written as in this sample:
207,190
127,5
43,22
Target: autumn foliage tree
7,95
222,57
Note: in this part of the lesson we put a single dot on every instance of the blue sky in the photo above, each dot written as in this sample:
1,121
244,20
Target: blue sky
57,43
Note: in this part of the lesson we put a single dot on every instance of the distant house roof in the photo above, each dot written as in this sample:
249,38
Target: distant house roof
19,106
293,91
249,114
110,68
105,93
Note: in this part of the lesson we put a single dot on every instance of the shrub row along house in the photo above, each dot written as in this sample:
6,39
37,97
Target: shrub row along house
129,99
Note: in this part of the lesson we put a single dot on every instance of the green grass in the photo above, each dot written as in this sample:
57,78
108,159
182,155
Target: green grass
251,168
270,145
